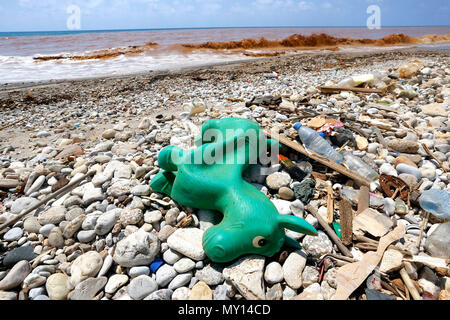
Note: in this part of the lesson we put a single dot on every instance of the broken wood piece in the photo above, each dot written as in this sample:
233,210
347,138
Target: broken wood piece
315,156
331,89
363,199
351,276
346,213
410,285
11,124
329,231
428,151
372,222
430,262
380,137
54,195
422,228
330,203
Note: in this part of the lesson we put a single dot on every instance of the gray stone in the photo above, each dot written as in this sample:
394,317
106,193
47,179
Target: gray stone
16,276
184,265
19,254
165,275
317,246
4,296
13,234
163,294
211,275
23,203
171,256
86,236
138,249
54,215
138,271
87,289
141,287
180,280
106,222
55,238
140,190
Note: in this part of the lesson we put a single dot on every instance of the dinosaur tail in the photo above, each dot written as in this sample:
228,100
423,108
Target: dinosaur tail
163,182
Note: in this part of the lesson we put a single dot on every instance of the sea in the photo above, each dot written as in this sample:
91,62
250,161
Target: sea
63,55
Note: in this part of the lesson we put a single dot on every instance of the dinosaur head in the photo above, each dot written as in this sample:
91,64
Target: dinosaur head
224,243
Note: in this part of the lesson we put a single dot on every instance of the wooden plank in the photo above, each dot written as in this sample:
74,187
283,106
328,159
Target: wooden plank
331,89
346,213
11,124
329,231
330,203
363,199
314,156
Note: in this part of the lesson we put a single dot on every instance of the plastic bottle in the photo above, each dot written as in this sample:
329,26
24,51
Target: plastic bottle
314,141
436,202
355,81
355,164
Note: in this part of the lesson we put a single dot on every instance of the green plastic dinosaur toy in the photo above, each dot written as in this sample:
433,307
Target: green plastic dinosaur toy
210,177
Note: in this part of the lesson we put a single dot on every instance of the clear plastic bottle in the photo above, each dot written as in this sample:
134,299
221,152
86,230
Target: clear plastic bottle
356,164
354,81
314,141
436,202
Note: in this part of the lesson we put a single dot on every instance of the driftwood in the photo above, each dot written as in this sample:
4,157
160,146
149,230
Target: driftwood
363,199
346,213
329,231
11,124
428,151
54,195
315,156
410,285
331,89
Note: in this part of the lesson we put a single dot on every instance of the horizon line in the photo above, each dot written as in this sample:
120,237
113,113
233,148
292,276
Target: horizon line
235,27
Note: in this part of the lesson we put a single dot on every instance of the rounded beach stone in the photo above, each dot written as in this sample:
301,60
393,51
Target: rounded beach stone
138,249
141,287
273,273
188,242
277,180
201,291
293,268
85,266
58,286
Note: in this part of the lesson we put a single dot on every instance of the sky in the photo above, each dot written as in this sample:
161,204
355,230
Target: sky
52,15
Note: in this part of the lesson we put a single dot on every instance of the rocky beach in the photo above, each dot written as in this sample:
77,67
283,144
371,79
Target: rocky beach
111,237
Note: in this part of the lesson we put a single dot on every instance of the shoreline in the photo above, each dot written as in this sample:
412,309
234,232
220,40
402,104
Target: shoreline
187,69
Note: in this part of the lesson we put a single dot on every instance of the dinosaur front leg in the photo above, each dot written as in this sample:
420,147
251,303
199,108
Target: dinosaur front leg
170,158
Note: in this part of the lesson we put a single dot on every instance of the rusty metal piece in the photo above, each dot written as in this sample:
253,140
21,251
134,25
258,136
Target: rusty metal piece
391,184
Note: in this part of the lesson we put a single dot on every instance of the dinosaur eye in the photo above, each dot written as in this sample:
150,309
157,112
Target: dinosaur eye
259,242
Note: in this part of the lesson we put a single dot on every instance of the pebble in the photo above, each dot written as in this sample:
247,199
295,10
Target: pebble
160,295
184,265
138,249
142,286
18,254
201,291
212,274
180,281
139,271
23,203
318,246
85,266
293,268
405,168
188,242
87,289
165,275
115,282
273,273
15,276
277,180
13,234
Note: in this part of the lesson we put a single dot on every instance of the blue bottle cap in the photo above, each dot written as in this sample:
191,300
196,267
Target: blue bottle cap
156,264
297,126
322,134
